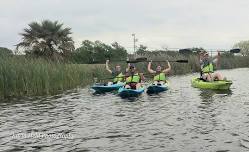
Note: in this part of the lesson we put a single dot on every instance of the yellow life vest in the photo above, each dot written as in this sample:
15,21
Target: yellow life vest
119,77
133,79
160,77
208,68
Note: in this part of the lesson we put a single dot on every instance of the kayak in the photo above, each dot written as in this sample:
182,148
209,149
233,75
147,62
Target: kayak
126,93
157,88
106,88
215,85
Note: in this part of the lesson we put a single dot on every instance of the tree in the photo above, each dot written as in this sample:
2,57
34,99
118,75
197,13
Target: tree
117,52
91,52
141,49
5,52
243,46
47,39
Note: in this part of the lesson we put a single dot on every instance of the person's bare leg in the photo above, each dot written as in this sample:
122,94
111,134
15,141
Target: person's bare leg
127,86
218,76
138,85
207,77
162,82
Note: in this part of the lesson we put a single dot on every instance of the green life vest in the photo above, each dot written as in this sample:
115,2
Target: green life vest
133,79
209,68
160,77
119,77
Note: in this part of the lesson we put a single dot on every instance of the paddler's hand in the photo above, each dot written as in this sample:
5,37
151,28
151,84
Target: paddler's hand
218,53
167,61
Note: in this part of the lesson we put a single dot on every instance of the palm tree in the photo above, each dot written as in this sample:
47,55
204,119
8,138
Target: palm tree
47,39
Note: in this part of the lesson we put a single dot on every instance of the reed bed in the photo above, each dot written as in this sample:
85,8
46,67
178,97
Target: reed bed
33,77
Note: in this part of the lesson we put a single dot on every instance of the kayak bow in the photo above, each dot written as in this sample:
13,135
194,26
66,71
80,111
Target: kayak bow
106,88
157,88
215,85
126,93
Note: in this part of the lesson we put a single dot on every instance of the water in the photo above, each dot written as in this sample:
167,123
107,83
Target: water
182,119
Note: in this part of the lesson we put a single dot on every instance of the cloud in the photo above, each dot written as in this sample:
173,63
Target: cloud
157,23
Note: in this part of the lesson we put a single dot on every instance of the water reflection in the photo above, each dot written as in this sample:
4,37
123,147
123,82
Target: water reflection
207,95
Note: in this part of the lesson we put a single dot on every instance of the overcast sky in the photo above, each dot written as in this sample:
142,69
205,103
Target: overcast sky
214,24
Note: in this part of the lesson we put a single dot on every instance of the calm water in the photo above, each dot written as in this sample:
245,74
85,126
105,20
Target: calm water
182,119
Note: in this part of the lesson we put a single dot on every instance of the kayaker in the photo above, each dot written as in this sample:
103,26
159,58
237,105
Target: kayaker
116,73
133,77
207,66
160,77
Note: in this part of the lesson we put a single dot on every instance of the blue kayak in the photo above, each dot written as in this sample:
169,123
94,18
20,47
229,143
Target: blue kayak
106,88
157,88
126,93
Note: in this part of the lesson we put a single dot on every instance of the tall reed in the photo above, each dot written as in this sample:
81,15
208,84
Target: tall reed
31,77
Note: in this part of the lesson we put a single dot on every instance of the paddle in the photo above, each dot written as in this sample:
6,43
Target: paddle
143,60
186,51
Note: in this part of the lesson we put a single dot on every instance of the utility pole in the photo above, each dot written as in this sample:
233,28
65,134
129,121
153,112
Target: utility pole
134,42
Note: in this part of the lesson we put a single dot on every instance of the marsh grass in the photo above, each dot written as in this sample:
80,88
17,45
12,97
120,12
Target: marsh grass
20,76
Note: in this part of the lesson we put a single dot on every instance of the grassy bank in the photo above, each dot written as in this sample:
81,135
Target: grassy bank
20,76
32,77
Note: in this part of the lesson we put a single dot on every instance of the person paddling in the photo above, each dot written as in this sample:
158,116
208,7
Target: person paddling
133,77
116,73
160,77
207,67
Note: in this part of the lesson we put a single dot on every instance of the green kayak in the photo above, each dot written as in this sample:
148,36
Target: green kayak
215,85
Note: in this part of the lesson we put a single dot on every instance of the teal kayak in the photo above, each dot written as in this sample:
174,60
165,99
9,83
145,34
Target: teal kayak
101,88
215,85
126,93
152,89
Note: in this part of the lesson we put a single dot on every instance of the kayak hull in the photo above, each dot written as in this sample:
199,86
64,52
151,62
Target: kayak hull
154,89
101,88
215,85
126,93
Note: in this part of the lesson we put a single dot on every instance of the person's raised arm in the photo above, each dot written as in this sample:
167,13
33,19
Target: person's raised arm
128,67
149,68
218,59
167,69
107,66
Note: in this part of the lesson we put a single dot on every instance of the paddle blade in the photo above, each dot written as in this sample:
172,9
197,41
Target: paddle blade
142,59
182,61
235,50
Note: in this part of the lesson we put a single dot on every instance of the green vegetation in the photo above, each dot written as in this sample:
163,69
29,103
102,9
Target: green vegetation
47,39
91,52
244,46
20,76
5,52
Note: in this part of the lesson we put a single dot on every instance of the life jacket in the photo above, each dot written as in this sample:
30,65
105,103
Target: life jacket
133,78
119,77
209,68
160,77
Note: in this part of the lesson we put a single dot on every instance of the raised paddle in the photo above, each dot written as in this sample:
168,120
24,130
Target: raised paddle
186,51
143,60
